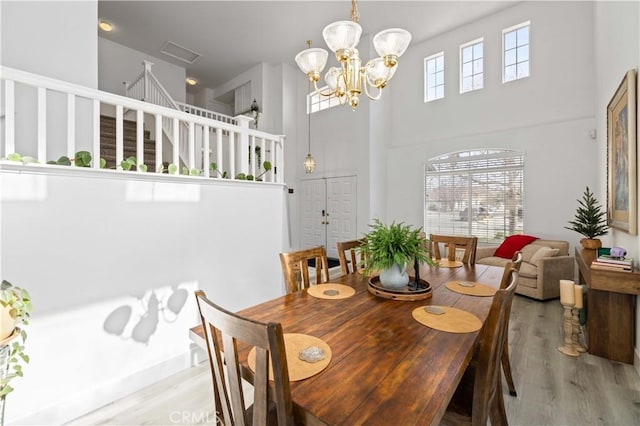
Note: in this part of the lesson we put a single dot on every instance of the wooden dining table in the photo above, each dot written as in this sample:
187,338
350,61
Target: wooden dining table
386,367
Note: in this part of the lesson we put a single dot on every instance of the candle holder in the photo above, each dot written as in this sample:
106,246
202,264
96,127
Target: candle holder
577,336
568,347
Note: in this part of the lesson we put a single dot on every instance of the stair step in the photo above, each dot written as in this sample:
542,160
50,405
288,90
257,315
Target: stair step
128,152
128,142
126,133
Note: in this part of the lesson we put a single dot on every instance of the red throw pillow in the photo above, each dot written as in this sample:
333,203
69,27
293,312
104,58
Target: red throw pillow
512,244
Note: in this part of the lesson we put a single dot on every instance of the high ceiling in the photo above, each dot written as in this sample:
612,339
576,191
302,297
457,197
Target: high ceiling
233,36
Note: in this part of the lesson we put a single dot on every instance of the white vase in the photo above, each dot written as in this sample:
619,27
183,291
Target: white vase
395,277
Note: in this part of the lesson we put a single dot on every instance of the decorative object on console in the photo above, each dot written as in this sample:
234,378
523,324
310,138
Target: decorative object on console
347,81
622,156
589,221
617,252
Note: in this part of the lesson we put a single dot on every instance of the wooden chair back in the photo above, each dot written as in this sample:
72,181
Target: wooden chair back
223,330
478,397
350,248
453,242
515,263
487,391
295,267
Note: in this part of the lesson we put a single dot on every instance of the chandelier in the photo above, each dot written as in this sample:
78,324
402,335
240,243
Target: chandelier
347,81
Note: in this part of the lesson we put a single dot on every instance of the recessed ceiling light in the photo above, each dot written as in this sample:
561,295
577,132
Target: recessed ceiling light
191,81
105,26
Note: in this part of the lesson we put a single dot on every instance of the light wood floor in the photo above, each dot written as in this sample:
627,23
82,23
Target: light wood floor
553,389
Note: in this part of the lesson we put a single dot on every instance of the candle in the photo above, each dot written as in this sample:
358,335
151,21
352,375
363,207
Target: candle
567,292
578,296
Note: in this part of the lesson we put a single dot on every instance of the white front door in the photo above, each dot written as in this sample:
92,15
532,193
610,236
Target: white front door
329,212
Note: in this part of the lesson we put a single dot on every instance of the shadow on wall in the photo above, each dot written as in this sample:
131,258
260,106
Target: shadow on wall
139,321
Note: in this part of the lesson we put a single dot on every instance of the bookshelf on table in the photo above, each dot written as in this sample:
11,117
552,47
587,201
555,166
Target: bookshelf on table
610,308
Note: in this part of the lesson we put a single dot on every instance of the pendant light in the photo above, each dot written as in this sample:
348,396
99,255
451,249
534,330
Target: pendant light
309,162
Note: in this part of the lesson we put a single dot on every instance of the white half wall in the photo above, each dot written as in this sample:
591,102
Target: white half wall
111,263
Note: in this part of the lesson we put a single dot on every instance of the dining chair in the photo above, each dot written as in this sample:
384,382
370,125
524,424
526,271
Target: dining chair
515,263
295,267
349,247
478,397
453,242
223,330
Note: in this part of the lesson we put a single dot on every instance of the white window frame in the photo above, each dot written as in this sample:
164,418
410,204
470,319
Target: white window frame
475,192
504,52
316,102
427,88
473,59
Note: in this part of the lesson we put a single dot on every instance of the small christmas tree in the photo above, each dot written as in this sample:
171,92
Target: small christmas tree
590,220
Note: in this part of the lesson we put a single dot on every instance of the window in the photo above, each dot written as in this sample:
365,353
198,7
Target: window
471,67
515,52
316,102
477,192
434,77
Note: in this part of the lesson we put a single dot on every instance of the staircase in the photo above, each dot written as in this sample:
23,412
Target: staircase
108,143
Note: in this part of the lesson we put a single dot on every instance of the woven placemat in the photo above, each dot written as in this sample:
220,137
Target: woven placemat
452,320
331,291
444,263
298,369
481,290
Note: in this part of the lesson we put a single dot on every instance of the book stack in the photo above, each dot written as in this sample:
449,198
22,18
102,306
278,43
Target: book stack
610,263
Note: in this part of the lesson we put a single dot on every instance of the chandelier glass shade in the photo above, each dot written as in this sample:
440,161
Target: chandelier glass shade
348,81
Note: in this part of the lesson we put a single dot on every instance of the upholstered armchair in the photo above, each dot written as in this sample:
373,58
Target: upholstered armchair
544,264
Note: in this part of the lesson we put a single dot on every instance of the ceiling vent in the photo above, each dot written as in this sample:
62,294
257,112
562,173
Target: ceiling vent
179,52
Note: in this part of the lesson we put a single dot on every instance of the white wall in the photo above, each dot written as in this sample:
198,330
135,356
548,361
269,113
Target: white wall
617,49
57,39
547,116
68,53
119,63
108,262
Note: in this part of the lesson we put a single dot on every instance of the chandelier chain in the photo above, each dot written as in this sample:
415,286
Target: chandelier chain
355,15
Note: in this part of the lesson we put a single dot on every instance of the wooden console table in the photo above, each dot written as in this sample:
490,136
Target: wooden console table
610,308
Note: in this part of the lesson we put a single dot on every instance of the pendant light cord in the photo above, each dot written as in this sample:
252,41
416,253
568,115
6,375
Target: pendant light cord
309,115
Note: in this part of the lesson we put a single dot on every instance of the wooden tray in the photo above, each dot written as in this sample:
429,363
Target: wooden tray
403,293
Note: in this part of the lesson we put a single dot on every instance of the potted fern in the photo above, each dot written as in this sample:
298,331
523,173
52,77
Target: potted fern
391,248
590,221
15,309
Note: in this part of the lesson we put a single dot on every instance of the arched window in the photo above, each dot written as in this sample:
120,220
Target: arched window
477,192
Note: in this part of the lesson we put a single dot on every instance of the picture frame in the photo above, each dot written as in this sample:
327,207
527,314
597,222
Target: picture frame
622,156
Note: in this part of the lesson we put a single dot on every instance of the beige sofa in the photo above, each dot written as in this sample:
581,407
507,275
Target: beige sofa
540,274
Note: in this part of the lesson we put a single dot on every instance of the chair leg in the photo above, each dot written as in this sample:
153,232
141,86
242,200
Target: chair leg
498,414
506,367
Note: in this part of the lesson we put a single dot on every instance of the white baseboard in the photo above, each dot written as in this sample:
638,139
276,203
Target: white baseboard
86,401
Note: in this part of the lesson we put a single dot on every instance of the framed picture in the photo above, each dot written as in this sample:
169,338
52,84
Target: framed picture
622,157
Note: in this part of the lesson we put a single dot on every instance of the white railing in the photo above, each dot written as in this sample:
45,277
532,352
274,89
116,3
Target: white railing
50,101
201,112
